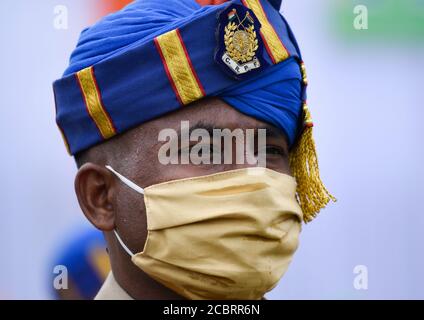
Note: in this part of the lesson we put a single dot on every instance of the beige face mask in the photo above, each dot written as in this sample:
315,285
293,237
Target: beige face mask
229,235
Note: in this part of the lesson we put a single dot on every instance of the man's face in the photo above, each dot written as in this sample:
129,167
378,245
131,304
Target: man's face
141,164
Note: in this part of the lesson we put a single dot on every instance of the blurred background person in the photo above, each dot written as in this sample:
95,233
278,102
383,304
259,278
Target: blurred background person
84,260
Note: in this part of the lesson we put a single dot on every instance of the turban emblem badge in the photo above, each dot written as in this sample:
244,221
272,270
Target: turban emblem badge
240,41
240,44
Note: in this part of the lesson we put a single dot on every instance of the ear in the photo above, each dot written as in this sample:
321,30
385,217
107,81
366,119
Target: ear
95,189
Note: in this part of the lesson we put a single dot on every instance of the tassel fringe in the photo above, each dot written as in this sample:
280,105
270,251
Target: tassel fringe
311,192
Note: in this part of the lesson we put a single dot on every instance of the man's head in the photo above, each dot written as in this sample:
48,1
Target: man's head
108,204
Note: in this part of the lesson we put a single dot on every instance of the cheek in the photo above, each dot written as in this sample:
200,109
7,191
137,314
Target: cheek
131,221
182,171
279,164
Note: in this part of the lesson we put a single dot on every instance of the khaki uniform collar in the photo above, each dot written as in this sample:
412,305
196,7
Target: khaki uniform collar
111,290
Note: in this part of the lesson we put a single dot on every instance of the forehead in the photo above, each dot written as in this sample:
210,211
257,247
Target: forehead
212,111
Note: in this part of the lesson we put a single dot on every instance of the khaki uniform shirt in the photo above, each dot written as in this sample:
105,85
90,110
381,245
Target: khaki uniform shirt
111,290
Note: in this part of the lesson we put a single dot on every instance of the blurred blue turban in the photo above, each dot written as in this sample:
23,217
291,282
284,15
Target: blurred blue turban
128,68
87,262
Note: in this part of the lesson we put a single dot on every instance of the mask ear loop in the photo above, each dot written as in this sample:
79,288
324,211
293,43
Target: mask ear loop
123,244
126,181
136,188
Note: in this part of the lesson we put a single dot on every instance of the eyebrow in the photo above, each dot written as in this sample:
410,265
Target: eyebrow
209,127
271,131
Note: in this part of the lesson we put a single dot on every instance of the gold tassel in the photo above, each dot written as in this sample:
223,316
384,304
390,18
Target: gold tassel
311,192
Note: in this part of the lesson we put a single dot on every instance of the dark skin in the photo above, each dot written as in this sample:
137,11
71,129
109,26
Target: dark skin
109,204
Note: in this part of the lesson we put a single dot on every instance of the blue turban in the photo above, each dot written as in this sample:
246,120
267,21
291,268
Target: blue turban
117,80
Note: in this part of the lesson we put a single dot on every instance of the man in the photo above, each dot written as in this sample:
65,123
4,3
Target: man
188,229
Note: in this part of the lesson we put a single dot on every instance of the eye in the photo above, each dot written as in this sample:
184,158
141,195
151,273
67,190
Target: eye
184,151
275,150
212,152
207,152
271,150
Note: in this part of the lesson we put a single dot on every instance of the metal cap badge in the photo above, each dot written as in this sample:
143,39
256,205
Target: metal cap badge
240,47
